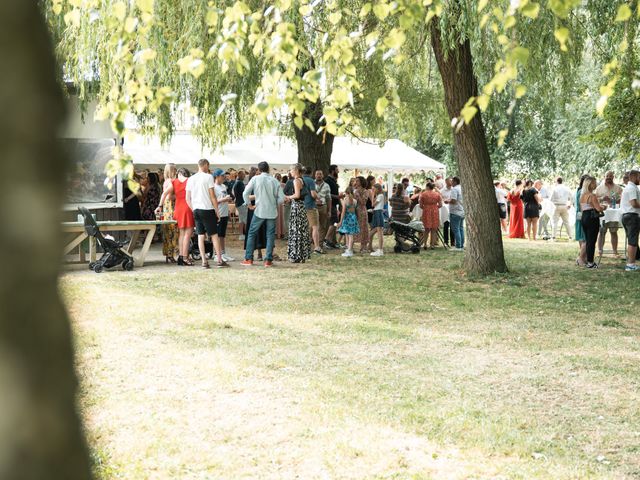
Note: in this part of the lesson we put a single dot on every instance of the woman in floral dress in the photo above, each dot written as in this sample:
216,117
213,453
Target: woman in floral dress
167,206
299,244
361,195
430,203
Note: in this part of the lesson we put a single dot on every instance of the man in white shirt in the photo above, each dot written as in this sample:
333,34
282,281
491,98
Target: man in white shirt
501,198
201,198
268,195
609,193
456,214
543,225
323,203
630,205
446,197
561,199
223,197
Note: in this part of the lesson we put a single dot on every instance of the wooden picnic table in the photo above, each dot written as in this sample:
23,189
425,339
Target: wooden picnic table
135,226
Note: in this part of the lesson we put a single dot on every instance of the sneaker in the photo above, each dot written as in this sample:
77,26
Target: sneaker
319,251
247,263
268,263
227,258
592,265
377,253
348,253
457,249
631,268
328,245
222,264
241,237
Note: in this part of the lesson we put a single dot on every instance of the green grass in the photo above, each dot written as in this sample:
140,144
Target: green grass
396,367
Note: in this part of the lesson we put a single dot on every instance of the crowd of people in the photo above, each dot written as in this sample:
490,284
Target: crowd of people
531,206
308,210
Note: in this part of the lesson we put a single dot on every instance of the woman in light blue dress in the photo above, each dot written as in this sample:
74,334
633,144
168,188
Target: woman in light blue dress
349,220
580,238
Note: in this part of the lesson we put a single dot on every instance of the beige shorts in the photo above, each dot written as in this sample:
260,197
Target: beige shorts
313,217
612,226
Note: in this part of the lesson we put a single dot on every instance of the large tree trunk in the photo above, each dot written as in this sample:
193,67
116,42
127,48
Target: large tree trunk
314,150
40,431
484,252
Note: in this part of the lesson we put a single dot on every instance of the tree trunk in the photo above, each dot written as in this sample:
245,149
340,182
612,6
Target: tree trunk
484,251
40,431
314,150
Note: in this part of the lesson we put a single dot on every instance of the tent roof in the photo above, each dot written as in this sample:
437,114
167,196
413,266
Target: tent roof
280,153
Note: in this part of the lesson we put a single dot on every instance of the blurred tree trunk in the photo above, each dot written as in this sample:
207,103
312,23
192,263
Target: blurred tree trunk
484,251
40,431
314,150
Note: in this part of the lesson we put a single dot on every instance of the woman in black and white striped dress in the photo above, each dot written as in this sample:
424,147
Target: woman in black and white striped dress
299,243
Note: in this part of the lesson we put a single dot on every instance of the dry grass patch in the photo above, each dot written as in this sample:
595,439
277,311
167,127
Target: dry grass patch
341,370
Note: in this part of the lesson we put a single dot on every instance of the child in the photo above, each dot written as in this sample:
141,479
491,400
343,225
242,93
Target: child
223,210
377,221
348,220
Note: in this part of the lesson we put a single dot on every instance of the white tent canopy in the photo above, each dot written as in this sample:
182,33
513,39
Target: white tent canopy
280,153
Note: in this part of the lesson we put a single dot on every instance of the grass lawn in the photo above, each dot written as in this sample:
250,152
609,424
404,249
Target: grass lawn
396,367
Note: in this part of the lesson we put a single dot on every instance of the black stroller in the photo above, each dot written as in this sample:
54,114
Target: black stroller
194,250
113,254
408,238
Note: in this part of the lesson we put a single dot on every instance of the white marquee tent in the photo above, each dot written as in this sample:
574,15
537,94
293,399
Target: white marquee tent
280,153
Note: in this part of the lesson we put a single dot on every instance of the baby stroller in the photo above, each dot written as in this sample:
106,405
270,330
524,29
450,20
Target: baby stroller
113,254
194,251
407,236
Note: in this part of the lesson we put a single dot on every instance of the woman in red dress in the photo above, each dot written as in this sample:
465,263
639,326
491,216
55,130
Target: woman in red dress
182,214
430,202
516,219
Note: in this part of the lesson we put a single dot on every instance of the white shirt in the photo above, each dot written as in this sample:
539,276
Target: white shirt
379,202
446,193
629,193
199,185
324,194
223,208
501,195
561,195
456,208
268,193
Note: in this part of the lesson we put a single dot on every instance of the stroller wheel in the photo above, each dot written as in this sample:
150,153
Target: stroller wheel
415,249
98,268
91,265
397,249
195,254
127,265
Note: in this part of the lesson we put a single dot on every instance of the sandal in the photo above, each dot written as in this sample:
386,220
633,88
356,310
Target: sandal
169,259
205,265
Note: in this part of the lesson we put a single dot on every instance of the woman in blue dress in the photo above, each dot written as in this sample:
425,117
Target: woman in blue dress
582,256
349,220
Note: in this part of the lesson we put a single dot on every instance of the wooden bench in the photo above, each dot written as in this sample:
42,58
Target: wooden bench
134,226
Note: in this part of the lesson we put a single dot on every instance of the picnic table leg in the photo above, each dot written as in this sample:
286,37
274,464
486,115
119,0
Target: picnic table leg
147,244
74,243
133,241
92,249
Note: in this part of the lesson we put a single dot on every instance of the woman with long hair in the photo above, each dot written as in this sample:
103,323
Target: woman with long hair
591,210
532,204
182,214
430,203
361,195
167,206
516,211
150,195
299,243
580,238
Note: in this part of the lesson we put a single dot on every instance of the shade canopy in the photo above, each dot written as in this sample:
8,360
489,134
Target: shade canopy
280,153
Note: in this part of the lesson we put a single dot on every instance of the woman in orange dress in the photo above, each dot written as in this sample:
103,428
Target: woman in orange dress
516,219
430,202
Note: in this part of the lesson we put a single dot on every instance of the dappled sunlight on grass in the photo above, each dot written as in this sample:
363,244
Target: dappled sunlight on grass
397,367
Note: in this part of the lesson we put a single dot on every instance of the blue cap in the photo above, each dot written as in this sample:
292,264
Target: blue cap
218,172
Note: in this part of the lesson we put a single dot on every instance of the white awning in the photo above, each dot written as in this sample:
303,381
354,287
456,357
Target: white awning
280,153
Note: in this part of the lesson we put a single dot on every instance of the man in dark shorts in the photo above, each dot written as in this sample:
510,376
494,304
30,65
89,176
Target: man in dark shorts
224,199
630,204
201,198
334,208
